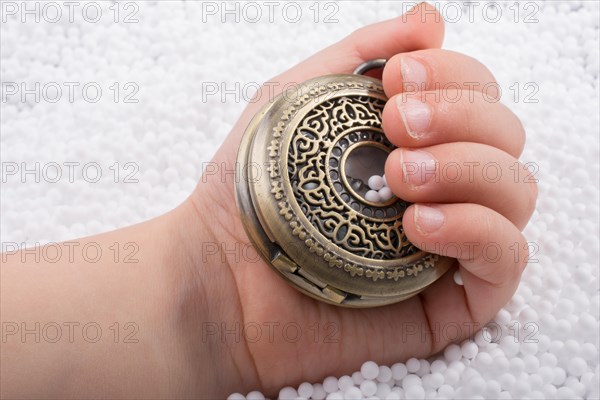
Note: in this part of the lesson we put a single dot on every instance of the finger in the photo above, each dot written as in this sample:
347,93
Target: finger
491,251
435,69
463,173
420,27
430,118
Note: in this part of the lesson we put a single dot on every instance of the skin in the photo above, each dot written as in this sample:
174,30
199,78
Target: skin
189,289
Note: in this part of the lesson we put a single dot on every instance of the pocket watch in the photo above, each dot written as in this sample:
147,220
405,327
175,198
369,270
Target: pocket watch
302,190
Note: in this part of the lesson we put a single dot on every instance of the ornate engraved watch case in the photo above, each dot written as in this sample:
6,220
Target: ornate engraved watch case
301,189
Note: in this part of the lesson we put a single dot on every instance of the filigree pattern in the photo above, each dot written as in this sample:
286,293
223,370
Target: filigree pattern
314,154
332,121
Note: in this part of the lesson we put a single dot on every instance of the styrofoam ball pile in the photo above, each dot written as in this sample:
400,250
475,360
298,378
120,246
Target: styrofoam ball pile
543,54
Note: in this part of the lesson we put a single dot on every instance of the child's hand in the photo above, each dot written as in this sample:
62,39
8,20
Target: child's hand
457,161
213,318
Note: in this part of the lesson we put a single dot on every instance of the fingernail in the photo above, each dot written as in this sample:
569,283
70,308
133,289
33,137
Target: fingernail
414,74
418,166
428,219
416,115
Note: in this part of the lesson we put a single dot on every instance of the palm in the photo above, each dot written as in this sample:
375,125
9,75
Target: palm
293,338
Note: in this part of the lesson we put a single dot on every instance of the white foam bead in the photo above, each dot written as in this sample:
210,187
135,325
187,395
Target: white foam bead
438,366
589,352
516,303
446,391
305,390
516,365
399,390
483,337
587,379
375,182
345,382
531,363
458,278
368,388
520,389
414,392
548,359
492,389
557,348
357,378
236,396
560,376
411,380
528,315
587,322
424,367
503,317
506,380
565,307
572,347
469,350
565,393
330,384
399,371
436,380
352,393
385,193
451,376
288,393
392,396
369,370
413,365
577,387
528,348
509,345
452,352
319,392
547,373
577,366
335,396
383,389
504,396
385,374
255,395
549,390
373,196
483,360
457,365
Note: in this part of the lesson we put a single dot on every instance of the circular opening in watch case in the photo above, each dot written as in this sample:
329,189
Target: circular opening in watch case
364,169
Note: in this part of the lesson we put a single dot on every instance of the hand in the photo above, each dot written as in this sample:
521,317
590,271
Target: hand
213,319
471,217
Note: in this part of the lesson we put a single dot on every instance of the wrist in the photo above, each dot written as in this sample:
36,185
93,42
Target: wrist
205,301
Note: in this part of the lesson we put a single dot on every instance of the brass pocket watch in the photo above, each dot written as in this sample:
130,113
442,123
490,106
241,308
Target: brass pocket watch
302,192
